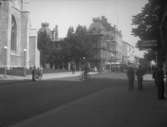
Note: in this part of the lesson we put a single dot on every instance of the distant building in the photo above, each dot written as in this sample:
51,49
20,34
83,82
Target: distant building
131,54
53,34
110,48
128,53
125,54
15,38
45,28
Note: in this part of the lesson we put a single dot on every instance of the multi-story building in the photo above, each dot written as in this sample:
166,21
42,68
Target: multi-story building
125,52
131,53
102,47
110,47
15,38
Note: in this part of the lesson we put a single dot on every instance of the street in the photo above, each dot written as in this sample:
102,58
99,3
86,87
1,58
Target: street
83,63
100,101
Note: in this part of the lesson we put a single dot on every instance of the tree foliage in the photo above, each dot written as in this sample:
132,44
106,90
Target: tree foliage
150,55
78,44
70,31
44,47
147,23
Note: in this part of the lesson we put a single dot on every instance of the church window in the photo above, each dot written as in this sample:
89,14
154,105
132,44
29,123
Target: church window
13,34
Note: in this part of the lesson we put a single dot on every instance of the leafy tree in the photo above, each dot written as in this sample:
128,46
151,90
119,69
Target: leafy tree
44,47
78,44
84,42
150,55
147,25
57,56
148,22
70,32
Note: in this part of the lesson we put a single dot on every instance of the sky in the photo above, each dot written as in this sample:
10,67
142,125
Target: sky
66,13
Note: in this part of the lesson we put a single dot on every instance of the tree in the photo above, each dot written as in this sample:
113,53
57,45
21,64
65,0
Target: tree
147,24
84,42
44,44
78,44
74,47
70,31
150,55
44,47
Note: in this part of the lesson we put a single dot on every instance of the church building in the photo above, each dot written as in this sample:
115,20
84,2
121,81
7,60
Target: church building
18,42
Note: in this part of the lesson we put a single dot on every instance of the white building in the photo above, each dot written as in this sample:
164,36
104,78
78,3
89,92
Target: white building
15,39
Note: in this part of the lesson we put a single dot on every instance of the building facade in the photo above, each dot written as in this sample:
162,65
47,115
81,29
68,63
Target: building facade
15,38
128,53
111,49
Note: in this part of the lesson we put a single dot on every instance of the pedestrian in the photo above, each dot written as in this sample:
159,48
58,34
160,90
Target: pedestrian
73,68
131,77
166,75
34,73
41,72
139,74
85,69
158,76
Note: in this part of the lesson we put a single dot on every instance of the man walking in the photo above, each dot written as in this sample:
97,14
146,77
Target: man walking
131,77
139,74
34,73
158,76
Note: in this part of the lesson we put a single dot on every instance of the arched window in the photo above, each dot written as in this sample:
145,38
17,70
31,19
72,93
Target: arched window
13,34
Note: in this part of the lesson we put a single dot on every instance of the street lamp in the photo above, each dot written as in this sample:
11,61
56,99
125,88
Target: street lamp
25,50
5,60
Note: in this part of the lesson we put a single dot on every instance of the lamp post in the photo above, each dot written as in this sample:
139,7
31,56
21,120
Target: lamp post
5,60
25,50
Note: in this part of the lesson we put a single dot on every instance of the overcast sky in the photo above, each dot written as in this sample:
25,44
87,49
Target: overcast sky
65,13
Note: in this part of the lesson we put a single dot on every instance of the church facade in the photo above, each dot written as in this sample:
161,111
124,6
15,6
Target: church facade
18,42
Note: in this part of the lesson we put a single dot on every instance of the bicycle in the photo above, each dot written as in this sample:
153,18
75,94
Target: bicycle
84,76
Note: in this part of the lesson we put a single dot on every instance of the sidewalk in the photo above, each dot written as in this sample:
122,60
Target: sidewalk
123,76
148,77
46,76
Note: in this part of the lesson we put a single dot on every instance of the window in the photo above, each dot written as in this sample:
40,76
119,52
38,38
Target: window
13,34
